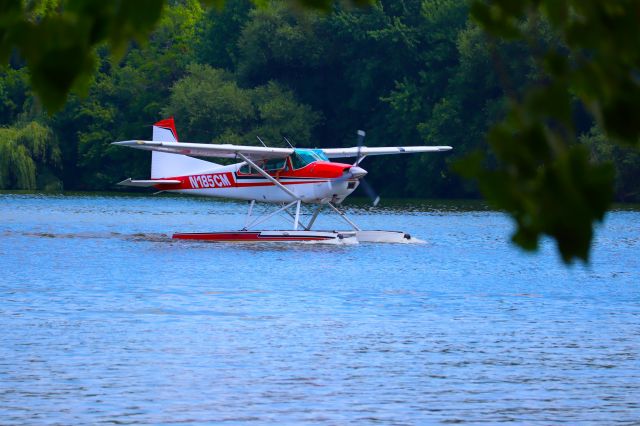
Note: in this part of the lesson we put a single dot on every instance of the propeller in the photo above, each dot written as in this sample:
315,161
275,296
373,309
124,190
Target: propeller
375,198
371,193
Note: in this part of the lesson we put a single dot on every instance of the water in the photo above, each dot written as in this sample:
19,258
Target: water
104,319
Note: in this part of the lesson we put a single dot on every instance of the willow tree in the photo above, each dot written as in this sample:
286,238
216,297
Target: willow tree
23,149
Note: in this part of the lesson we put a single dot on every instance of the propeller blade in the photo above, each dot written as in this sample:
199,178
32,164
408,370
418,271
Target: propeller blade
375,198
361,135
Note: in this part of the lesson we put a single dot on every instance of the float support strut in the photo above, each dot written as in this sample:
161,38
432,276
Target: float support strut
343,216
297,218
263,218
246,222
314,217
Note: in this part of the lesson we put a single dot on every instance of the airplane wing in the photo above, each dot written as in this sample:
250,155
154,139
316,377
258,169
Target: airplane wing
366,151
209,150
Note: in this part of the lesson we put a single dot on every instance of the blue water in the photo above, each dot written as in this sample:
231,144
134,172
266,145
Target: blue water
104,319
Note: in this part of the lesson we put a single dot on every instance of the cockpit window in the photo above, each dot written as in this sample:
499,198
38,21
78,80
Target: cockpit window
269,166
303,157
274,165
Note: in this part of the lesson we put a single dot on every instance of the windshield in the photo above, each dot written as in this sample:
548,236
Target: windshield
303,157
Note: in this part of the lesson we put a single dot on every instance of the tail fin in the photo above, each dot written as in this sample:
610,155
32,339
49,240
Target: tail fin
165,165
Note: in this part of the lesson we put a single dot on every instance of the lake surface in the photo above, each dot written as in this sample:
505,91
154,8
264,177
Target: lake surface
104,319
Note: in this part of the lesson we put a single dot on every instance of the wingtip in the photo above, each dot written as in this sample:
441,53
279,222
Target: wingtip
136,142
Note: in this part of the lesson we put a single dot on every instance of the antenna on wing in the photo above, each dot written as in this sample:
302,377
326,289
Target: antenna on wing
263,144
287,140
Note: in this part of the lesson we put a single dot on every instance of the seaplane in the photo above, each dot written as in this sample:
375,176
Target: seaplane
288,177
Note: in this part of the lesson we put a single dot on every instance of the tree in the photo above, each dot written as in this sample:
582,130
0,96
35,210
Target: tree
14,94
126,96
427,104
25,153
218,34
626,161
214,108
209,103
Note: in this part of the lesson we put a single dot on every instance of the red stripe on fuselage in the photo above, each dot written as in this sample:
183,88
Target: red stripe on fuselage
316,172
267,183
215,181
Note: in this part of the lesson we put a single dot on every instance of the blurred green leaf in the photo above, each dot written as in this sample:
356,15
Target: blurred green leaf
58,38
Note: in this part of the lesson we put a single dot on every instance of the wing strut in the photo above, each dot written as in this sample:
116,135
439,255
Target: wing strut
268,176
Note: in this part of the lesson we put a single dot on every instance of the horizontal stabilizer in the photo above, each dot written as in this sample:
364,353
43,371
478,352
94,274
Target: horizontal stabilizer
147,183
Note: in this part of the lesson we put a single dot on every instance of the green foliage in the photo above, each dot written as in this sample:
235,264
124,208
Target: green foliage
23,149
209,102
423,108
625,159
126,97
218,33
58,38
292,44
14,93
214,108
280,115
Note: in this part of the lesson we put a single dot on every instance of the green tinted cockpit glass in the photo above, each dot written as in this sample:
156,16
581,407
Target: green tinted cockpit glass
321,155
303,157
274,165
269,166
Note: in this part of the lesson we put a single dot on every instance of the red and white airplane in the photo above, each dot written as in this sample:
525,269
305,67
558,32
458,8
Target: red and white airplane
285,176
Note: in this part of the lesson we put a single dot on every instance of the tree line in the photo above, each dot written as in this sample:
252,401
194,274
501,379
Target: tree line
407,72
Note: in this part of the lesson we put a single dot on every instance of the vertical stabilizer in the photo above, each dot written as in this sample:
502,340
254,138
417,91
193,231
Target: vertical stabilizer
165,165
